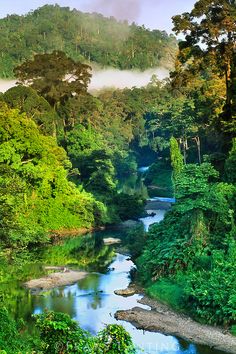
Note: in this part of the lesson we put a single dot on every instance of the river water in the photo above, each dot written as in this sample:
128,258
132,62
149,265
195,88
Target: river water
91,301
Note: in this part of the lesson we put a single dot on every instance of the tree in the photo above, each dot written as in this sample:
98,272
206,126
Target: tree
176,157
230,164
35,194
55,77
28,101
210,37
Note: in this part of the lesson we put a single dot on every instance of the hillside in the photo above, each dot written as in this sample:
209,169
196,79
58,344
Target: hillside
83,36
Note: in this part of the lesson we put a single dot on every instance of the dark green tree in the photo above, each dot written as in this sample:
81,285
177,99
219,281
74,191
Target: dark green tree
55,77
28,101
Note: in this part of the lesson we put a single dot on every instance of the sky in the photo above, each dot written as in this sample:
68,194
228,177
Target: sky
154,14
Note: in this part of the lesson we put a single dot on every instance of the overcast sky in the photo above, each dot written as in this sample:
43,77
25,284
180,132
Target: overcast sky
152,13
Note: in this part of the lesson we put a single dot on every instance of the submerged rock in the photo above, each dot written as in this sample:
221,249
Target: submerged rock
54,280
111,241
125,292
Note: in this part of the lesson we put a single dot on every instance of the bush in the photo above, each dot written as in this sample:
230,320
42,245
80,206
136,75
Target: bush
60,334
11,341
114,340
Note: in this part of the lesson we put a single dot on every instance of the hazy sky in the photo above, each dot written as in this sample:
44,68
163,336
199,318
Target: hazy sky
152,13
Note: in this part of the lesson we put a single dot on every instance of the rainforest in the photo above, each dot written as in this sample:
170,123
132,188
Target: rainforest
84,170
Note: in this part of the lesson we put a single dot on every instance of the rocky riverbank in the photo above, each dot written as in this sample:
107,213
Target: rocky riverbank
162,319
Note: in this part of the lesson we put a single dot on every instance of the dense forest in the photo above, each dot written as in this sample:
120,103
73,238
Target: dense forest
82,36
64,151
189,259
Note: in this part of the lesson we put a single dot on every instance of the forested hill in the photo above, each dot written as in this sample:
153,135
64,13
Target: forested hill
82,36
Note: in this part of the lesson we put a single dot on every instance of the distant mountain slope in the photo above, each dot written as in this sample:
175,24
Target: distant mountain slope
83,36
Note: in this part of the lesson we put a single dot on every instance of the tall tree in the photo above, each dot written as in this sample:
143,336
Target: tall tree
210,37
54,76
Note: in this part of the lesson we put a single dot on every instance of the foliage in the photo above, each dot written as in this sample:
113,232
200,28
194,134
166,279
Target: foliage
189,257
194,181
54,76
135,240
169,292
128,206
230,164
42,198
11,341
114,339
26,100
194,242
158,179
176,157
210,33
213,293
60,334
105,41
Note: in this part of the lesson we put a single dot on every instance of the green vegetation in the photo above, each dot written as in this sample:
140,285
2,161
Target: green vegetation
170,293
195,243
59,334
12,337
82,36
189,258
159,179
35,194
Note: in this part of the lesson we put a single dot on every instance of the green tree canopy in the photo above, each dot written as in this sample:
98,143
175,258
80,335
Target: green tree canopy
54,76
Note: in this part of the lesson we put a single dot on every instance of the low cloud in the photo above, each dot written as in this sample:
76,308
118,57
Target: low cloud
112,78
6,84
124,78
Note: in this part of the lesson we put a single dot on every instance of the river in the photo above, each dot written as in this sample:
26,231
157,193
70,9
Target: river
91,301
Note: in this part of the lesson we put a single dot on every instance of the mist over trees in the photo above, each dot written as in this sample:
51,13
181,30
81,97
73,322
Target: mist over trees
83,37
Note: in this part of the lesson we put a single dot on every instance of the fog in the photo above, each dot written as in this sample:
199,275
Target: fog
6,84
112,78
124,78
121,10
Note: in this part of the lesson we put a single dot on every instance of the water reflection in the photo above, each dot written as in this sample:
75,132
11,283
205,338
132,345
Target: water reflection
154,217
91,301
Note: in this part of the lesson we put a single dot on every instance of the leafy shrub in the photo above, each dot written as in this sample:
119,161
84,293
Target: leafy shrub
114,340
60,334
212,294
11,341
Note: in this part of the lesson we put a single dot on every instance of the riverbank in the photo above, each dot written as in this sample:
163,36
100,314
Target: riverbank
163,319
55,235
